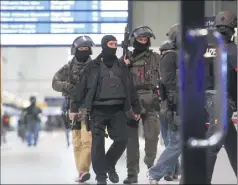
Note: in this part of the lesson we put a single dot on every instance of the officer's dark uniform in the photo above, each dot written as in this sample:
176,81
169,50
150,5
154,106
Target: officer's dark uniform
106,91
225,24
143,66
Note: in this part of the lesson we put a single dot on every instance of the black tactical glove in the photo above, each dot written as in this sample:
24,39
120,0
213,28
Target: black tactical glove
88,122
69,88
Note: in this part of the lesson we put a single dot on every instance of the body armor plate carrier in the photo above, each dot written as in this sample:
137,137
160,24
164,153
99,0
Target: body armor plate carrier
110,85
144,71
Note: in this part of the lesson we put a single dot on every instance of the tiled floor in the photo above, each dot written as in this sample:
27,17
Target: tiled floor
51,162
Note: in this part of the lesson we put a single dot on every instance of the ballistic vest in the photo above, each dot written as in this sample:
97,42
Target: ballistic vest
110,89
144,71
74,70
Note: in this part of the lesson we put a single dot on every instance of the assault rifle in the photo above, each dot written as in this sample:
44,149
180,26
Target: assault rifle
65,113
88,122
125,42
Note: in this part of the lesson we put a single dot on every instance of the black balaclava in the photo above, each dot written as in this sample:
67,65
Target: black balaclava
139,47
108,54
226,33
82,56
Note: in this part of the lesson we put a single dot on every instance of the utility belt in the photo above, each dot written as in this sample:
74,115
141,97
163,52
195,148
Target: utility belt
145,87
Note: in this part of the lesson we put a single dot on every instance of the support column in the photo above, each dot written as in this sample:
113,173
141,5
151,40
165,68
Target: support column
192,95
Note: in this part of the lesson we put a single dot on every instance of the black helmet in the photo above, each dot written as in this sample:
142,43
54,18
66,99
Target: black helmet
227,19
173,32
81,41
143,31
166,45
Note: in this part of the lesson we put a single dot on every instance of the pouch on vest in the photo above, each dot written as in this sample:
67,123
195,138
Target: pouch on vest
143,74
111,86
138,71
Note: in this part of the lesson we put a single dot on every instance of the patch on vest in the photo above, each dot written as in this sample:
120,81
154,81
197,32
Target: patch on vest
210,53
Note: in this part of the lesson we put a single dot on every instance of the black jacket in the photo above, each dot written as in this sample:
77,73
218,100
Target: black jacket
168,69
86,88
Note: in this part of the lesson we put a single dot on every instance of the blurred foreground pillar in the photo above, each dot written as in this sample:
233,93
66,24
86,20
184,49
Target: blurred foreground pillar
192,95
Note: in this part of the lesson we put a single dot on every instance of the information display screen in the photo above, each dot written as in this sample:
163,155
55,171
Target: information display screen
57,23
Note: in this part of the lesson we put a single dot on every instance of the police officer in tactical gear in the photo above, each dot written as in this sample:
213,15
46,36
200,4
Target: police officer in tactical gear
107,92
64,81
225,22
165,165
143,64
165,49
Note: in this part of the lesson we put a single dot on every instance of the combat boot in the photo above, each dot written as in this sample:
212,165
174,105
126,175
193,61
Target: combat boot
102,182
175,177
168,177
131,179
113,177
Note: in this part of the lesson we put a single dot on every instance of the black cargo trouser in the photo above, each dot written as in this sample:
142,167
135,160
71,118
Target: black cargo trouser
116,126
229,140
133,151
